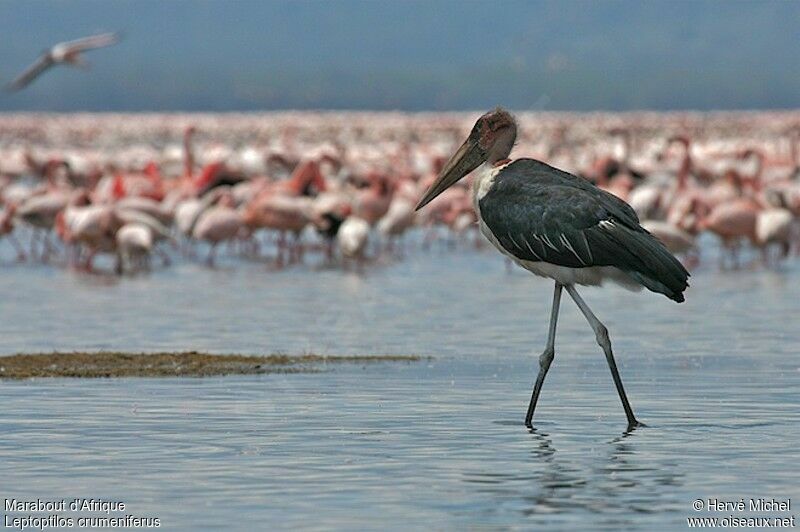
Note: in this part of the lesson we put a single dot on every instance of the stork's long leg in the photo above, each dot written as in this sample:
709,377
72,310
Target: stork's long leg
547,356
601,333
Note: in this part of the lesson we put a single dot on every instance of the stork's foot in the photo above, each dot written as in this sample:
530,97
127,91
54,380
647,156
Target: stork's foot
633,425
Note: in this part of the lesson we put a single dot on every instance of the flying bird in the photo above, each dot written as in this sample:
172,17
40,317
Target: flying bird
67,53
559,226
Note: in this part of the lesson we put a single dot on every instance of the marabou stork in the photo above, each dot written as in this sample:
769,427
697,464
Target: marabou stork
560,226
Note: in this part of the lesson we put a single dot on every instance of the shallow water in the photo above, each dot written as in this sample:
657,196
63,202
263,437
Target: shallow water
432,444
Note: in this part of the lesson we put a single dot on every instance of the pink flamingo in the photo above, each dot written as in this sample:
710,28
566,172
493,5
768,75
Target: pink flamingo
372,203
217,224
40,212
90,227
352,238
731,222
287,207
400,216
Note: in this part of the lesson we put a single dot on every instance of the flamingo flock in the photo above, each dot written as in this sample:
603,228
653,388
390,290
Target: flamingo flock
145,189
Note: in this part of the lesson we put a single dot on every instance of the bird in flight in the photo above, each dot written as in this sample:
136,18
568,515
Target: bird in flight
560,226
67,53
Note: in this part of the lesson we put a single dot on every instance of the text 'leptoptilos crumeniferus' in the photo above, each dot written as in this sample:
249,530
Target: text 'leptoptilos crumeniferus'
560,226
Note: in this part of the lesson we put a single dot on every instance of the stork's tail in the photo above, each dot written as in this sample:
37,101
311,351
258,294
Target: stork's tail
659,271
645,259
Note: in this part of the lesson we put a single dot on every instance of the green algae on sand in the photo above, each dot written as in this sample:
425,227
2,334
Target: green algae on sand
172,364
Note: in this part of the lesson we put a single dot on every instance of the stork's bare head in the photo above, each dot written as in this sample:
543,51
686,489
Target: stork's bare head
491,139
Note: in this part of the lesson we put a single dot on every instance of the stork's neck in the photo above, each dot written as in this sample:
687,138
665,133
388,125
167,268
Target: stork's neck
484,179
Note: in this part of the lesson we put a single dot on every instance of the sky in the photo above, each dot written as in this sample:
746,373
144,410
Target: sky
413,55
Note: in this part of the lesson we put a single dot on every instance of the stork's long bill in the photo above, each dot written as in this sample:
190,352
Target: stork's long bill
468,157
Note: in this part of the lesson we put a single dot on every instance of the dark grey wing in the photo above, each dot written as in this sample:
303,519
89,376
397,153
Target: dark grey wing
89,43
32,72
541,220
542,223
548,175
